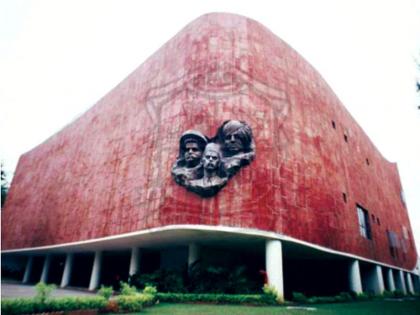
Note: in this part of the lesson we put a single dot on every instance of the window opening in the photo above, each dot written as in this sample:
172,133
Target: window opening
364,225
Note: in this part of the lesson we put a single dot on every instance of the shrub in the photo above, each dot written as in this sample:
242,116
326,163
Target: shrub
134,303
344,297
35,305
127,289
129,303
17,306
271,295
398,294
363,296
299,297
253,299
150,290
43,291
105,292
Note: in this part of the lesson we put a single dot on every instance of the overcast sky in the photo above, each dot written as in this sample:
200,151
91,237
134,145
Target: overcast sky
58,58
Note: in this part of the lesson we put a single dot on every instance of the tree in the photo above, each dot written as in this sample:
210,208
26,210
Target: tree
4,185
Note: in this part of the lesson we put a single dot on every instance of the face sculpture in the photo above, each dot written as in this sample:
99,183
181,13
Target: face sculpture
234,134
192,154
211,160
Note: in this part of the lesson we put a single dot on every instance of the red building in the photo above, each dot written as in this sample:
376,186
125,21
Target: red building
317,194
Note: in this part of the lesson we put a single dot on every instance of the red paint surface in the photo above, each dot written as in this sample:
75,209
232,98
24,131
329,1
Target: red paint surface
109,172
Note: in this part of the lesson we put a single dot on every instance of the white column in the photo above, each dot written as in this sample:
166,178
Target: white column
355,280
375,280
46,269
28,269
193,253
390,279
400,283
416,281
96,271
274,265
410,287
134,261
68,266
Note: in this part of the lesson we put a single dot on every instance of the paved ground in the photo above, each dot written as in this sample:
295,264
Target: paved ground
14,290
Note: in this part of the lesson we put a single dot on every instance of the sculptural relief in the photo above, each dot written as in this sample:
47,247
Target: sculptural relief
204,166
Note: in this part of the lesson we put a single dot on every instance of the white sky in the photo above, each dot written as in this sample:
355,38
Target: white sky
57,58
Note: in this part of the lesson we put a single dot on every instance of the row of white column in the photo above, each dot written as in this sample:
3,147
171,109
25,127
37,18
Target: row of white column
274,268
374,280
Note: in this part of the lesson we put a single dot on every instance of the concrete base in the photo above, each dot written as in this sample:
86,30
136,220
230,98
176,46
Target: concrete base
134,261
46,269
28,269
193,253
390,279
400,282
410,287
274,266
355,280
96,271
65,279
375,281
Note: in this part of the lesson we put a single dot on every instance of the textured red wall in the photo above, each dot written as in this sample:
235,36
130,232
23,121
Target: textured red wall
109,172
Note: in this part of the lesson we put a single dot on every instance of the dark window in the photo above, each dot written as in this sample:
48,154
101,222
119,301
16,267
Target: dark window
333,123
344,197
393,242
367,162
364,225
377,221
345,138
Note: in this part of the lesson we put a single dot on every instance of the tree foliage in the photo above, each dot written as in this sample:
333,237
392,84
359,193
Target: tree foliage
4,185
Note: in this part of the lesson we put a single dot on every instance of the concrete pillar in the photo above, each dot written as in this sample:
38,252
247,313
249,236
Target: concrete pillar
96,271
416,283
68,266
28,269
375,280
134,261
193,253
390,279
45,269
400,283
355,280
410,288
274,266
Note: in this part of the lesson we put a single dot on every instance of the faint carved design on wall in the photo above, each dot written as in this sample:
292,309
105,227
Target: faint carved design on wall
205,165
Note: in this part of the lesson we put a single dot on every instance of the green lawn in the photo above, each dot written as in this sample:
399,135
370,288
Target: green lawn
359,308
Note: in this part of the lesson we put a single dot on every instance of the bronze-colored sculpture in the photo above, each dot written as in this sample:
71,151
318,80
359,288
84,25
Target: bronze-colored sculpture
213,177
204,166
237,145
191,148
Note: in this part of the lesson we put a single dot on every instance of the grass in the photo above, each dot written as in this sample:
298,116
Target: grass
406,307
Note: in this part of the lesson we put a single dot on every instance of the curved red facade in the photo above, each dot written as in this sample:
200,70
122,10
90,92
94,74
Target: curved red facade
109,172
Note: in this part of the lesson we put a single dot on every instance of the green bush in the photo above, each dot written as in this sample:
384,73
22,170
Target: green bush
201,279
129,303
105,292
271,296
164,280
150,290
34,305
134,303
18,306
299,297
253,299
127,289
398,294
43,291
363,296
